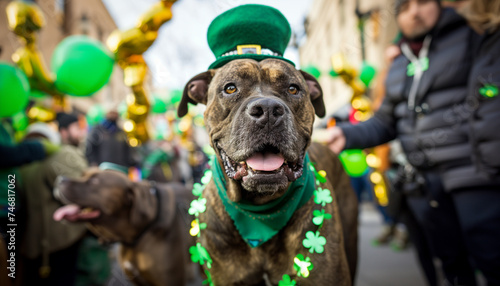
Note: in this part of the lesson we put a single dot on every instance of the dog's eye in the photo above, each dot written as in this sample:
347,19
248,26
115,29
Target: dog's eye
230,88
293,89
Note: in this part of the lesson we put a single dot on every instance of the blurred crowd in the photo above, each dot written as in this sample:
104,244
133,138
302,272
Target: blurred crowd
50,252
439,111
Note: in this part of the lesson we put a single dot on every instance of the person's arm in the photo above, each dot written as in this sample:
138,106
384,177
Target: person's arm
22,153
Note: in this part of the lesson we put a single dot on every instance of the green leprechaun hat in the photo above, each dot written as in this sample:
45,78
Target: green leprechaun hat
248,31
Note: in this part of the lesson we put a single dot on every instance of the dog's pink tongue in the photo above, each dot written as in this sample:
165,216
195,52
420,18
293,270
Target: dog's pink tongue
68,212
265,161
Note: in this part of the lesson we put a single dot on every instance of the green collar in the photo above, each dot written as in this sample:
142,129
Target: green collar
259,223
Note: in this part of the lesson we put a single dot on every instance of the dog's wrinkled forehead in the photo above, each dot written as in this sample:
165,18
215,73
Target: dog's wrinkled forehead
269,70
105,177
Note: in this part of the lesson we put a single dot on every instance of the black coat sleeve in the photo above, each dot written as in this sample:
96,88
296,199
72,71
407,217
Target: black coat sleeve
379,129
20,154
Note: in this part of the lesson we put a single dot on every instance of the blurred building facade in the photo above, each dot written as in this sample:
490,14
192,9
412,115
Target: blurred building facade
64,18
332,27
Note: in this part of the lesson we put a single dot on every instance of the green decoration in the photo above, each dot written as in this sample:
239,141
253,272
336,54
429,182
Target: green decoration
367,74
319,216
302,265
158,106
354,162
314,241
122,109
175,96
208,281
287,281
14,90
199,254
35,93
197,189
322,197
333,73
198,206
95,114
489,91
314,71
20,121
424,63
256,224
250,24
82,65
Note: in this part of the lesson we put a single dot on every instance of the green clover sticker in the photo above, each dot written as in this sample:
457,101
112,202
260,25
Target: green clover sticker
411,68
287,281
197,189
302,265
489,91
314,242
198,206
206,177
208,280
320,216
199,254
322,196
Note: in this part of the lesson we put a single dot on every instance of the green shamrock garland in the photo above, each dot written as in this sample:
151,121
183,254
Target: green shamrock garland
312,241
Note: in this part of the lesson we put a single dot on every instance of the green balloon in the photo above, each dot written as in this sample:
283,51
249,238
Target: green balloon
367,74
354,161
14,90
158,106
314,71
82,65
95,114
20,121
175,96
37,94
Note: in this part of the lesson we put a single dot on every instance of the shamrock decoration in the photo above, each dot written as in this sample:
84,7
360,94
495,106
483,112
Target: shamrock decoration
208,280
302,265
320,216
197,189
196,226
423,64
287,281
206,177
314,242
199,254
320,176
198,206
322,197
489,91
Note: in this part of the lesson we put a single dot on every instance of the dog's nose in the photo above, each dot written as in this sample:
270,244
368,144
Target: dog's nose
266,111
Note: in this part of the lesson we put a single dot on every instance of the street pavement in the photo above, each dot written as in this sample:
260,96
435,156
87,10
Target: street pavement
380,265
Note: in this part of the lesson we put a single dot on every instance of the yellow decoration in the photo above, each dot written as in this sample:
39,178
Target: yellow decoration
128,47
25,19
373,161
195,228
322,173
304,271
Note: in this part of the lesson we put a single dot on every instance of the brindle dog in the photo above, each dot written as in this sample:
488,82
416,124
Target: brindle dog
265,111
149,221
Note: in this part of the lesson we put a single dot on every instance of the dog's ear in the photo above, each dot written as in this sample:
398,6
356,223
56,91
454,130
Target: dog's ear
316,94
195,91
141,202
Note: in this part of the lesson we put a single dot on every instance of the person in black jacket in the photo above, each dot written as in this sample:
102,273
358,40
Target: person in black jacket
480,216
426,91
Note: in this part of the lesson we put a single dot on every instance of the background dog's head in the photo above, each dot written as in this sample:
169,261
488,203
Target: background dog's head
115,207
259,118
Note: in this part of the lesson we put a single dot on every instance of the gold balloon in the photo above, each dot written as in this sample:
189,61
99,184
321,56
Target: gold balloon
348,74
128,47
25,19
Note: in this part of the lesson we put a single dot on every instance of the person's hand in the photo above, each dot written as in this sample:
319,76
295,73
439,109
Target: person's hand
49,147
336,139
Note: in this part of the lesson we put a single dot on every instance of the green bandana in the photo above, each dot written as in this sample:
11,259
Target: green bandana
259,223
